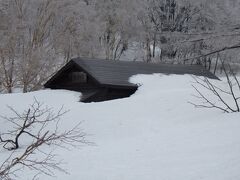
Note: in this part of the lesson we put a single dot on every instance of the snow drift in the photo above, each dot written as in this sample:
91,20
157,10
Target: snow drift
155,134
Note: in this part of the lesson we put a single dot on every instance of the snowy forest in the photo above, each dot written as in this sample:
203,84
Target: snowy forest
119,89
37,37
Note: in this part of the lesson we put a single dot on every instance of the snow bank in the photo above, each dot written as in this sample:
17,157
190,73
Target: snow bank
155,134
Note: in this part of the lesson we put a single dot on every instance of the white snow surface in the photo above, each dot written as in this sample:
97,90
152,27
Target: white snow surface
153,135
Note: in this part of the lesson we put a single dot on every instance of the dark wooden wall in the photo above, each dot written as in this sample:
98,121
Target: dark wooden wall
106,94
100,92
63,81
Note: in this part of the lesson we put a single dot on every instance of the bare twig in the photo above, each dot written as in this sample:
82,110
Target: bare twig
34,123
236,46
217,92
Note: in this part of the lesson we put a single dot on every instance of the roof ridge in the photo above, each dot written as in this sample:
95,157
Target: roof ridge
134,62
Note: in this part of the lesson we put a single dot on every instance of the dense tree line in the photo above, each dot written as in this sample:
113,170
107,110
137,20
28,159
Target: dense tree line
39,36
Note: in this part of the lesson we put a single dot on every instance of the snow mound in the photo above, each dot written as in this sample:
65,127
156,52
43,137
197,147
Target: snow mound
155,134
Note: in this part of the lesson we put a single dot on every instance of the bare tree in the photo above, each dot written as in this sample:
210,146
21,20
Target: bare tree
25,47
222,99
38,127
7,69
38,35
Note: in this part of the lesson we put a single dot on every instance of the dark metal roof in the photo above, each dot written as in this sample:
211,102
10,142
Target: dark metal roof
117,73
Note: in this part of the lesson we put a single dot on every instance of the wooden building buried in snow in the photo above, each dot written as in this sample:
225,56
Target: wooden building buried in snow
101,80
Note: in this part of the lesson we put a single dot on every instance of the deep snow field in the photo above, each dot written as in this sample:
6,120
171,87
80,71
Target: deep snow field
153,135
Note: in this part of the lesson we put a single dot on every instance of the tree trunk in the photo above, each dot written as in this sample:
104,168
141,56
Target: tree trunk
209,63
154,45
148,49
216,64
25,87
9,89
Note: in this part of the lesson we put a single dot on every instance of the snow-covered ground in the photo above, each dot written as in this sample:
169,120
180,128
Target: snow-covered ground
153,135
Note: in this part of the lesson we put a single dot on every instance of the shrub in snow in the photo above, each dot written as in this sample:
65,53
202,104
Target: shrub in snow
37,128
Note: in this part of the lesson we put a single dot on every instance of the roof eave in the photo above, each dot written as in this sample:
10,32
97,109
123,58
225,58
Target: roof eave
133,86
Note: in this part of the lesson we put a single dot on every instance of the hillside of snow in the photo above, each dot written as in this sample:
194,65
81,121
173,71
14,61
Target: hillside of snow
156,134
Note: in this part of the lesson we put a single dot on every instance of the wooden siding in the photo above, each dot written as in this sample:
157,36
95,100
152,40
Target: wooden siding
106,94
62,81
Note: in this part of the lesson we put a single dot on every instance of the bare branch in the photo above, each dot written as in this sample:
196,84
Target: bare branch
236,46
35,122
218,93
